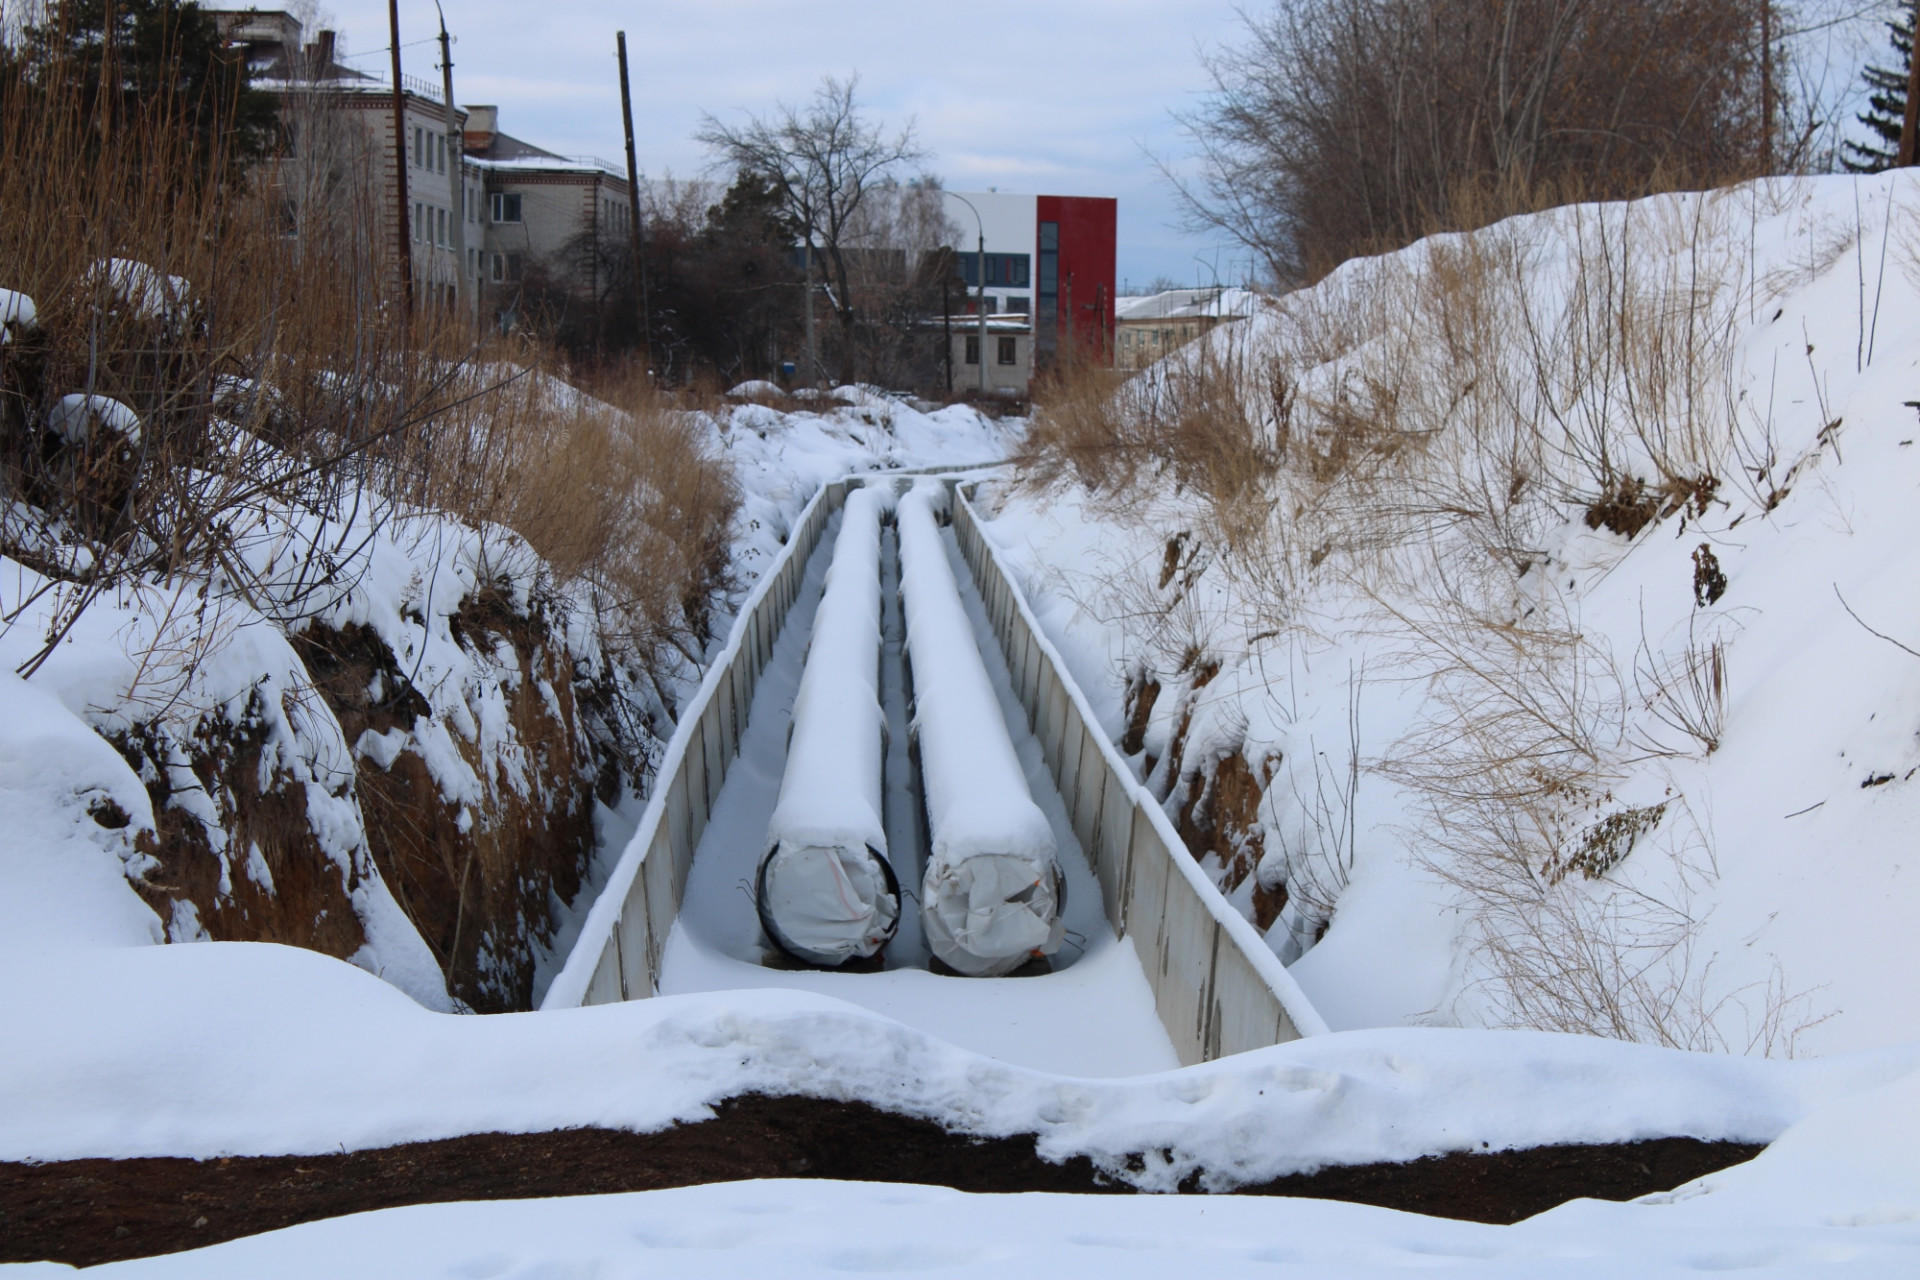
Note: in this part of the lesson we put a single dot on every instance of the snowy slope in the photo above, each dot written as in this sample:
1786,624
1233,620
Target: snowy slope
280,1050
236,1048
1441,583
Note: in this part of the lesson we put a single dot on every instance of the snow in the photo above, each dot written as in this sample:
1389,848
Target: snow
63,875
782,458
234,1048
73,418
237,1048
16,311
1771,899
752,1230
990,896
151,294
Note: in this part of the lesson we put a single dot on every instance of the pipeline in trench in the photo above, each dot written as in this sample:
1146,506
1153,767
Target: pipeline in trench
1093,1015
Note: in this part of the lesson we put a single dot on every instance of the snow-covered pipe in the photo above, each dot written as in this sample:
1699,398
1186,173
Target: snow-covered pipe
825,891
992,893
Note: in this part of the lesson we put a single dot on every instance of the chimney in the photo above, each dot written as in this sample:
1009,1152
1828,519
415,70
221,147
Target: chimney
482,124
320,56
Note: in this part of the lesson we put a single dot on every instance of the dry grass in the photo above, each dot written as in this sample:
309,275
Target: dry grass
276,370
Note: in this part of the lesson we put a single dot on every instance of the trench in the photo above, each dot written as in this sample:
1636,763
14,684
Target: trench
1090,1014
683,920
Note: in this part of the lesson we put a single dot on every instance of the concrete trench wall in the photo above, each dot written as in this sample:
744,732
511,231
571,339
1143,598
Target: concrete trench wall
1217,986
617,956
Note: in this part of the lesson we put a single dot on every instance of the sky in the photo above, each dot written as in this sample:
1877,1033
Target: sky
1051,97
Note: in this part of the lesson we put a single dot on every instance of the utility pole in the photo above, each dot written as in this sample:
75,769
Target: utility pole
1911,124
1766,86
946,324
457,189
401,222
633,209
980,279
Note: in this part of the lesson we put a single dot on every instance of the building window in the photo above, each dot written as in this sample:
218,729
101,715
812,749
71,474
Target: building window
506,208
417,219
1007,351
440,146
1019,306
506,268
1004,270
973,348
440,216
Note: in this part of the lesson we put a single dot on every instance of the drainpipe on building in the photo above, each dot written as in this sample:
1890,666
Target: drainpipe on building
457,208
981,259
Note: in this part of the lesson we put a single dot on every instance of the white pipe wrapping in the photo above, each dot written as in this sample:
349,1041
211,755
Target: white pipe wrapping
824,891
990,900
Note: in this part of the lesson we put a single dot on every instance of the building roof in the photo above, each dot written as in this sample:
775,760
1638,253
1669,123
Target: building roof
1188,304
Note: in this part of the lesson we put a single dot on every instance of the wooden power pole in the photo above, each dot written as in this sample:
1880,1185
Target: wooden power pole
1911,124
633,208
404,232
457,192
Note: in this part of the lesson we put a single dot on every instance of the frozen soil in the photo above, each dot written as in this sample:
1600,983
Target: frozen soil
86,1212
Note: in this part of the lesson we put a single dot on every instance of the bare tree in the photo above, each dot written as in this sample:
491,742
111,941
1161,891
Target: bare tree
823,160
1341,127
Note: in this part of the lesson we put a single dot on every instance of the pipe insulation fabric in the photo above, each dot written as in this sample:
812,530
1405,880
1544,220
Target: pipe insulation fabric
991,898
825,892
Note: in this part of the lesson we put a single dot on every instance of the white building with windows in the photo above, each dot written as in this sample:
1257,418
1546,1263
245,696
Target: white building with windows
517,204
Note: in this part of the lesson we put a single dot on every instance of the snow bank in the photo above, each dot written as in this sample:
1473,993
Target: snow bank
824,891
753,1230
73,418
16,311
1768,897
782,458
238,1048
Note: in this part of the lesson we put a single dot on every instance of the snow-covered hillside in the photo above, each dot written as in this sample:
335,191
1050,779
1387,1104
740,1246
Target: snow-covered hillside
1553,658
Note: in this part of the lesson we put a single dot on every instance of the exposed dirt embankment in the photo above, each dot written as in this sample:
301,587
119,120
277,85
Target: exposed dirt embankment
477,870
91,1211
436,775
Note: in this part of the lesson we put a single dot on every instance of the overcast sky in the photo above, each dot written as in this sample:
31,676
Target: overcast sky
1058,97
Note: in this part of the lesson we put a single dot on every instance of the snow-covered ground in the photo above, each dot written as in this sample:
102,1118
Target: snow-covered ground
1788,838
1777,1217
249,1048
1435,611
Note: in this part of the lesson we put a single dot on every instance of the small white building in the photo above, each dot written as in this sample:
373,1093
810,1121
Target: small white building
1009,354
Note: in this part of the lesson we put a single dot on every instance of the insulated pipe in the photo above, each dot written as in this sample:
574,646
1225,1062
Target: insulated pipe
992,894
825,891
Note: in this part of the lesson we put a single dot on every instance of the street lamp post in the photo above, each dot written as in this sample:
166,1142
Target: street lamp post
980,274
